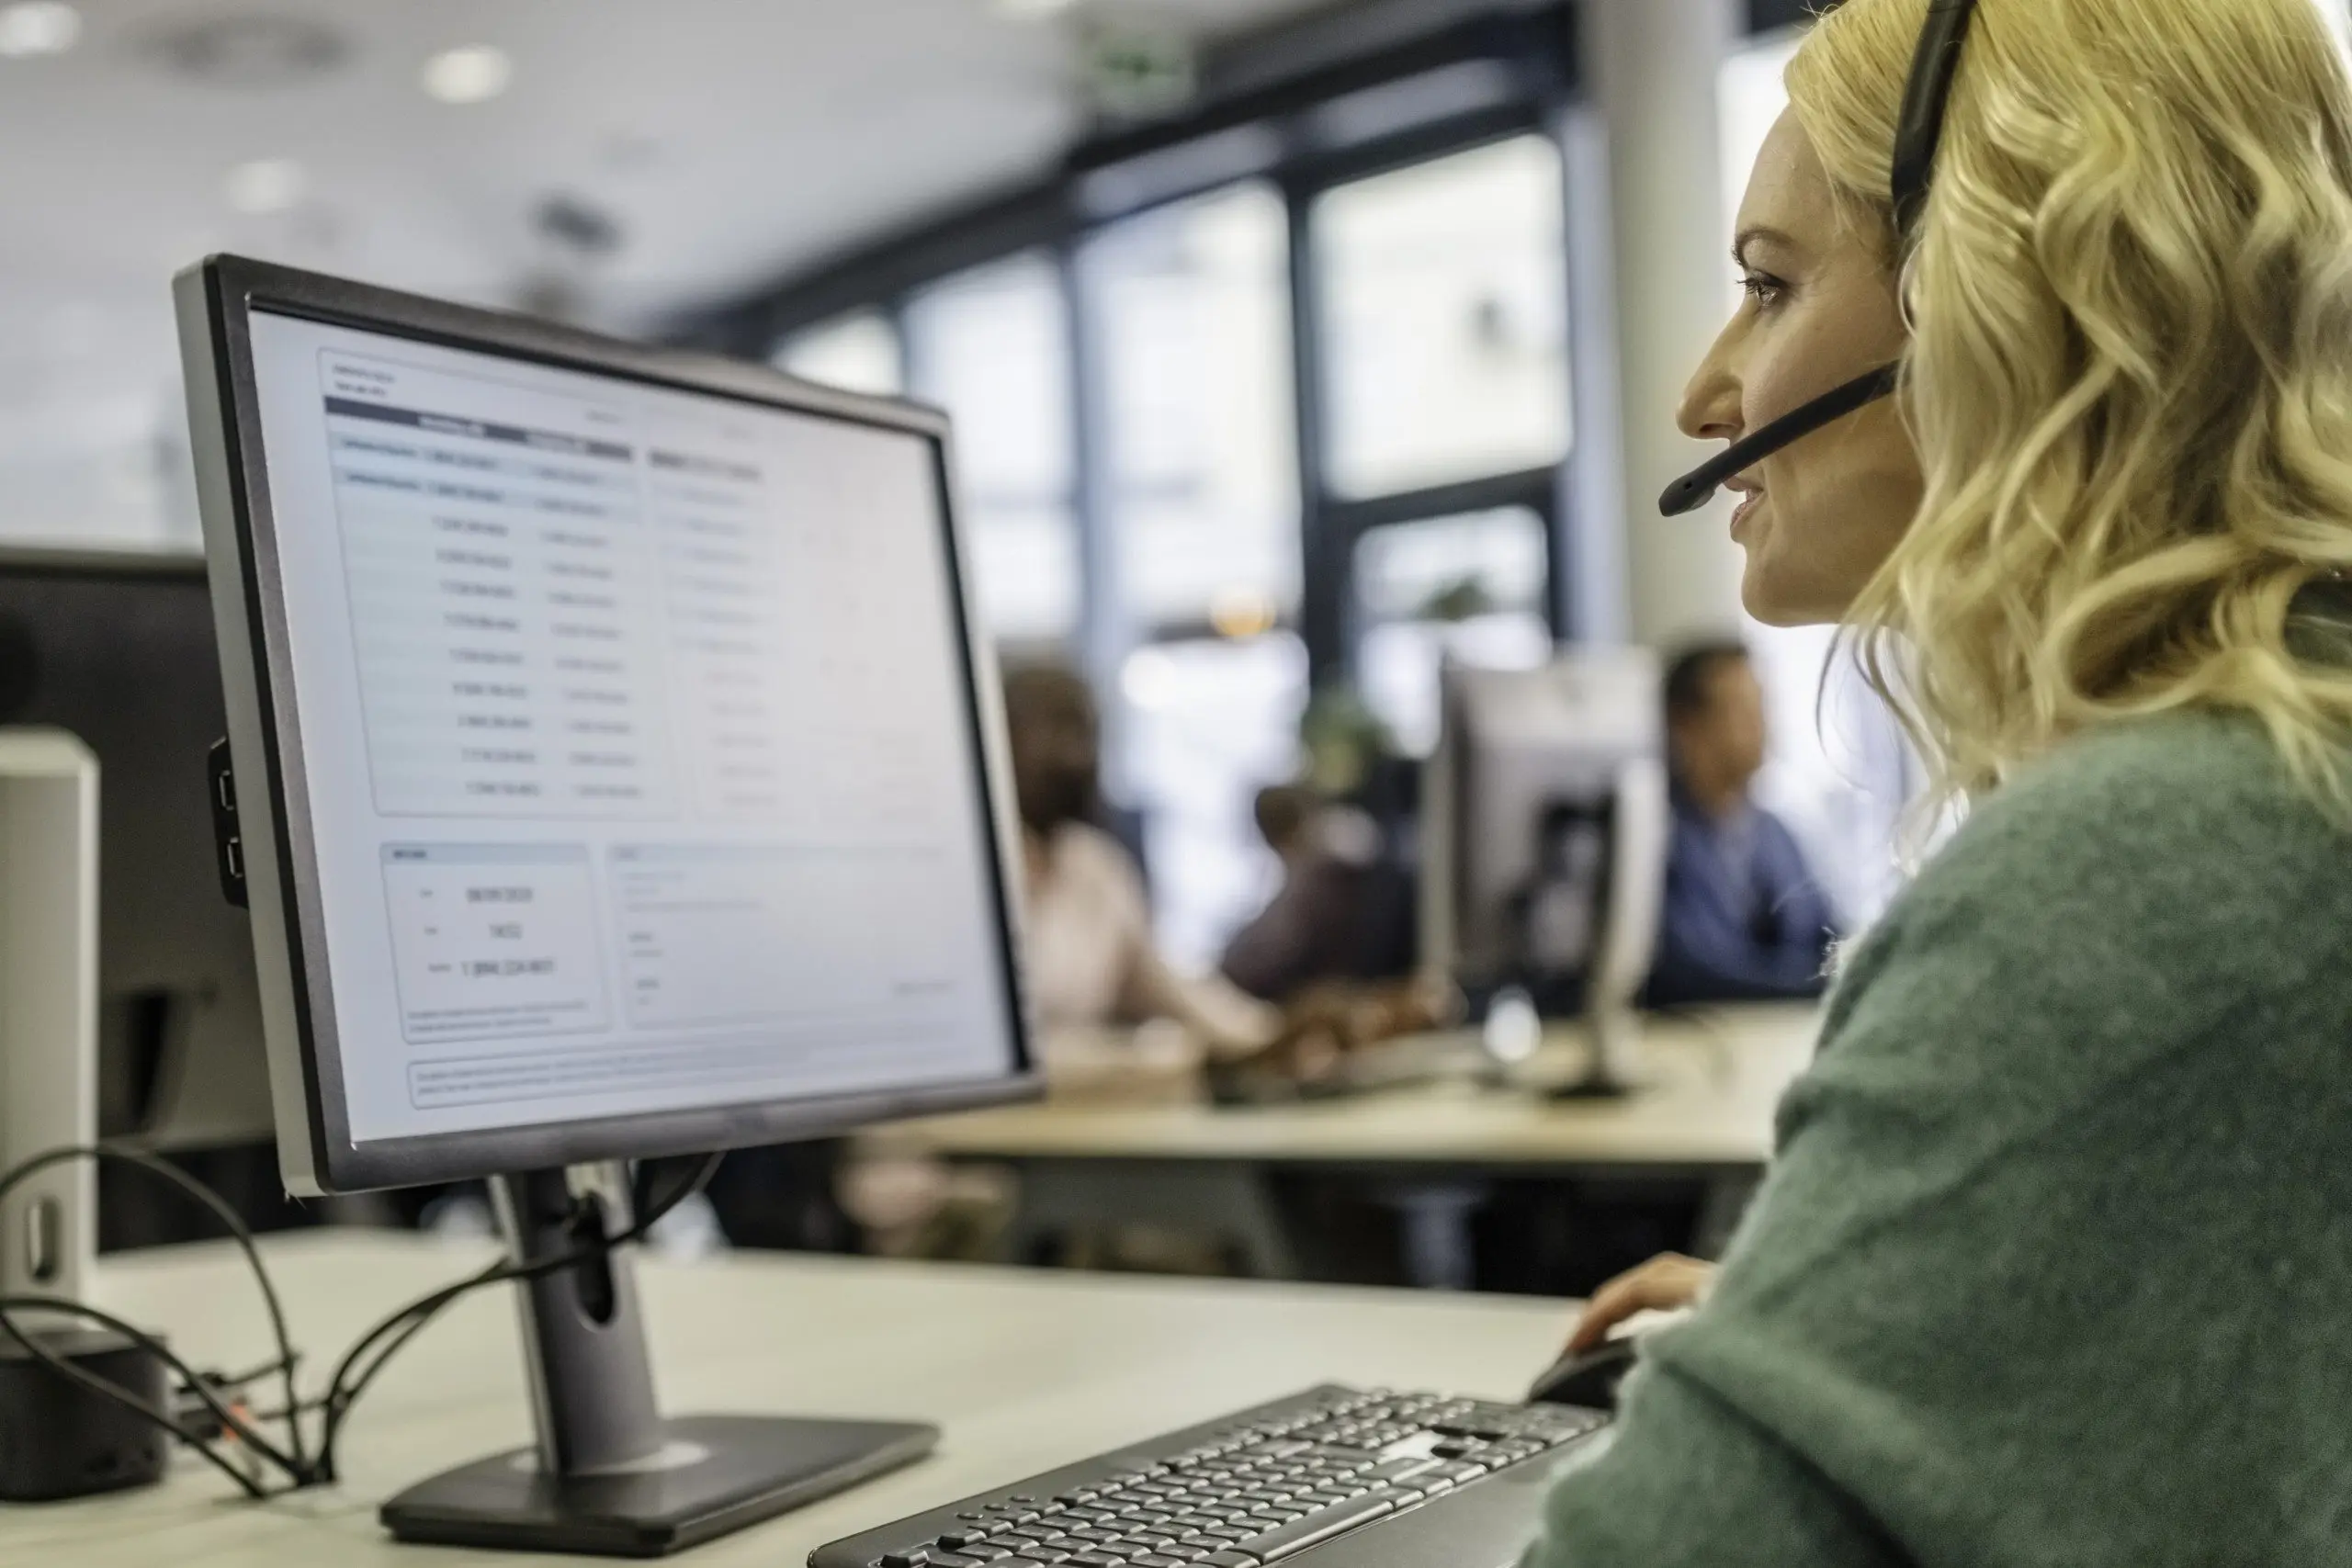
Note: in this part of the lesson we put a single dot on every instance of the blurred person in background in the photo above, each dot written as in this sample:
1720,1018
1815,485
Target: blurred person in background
1743,919
1345,911
1094,968
1091,960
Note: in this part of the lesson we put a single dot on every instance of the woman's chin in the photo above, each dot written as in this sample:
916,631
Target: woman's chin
1772,601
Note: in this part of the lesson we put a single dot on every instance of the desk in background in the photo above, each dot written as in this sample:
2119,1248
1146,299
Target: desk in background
1024,1372
1707,1115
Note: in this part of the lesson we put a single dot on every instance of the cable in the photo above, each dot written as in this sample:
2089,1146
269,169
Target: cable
247,1379
413,1319
122,1396
299,1465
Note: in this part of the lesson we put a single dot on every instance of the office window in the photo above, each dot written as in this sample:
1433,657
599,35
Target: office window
1445,330
1470,588
1189,312
1209,722
1192,307
991,346
858,352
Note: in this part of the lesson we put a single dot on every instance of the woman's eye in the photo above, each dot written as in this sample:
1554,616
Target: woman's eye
1763,287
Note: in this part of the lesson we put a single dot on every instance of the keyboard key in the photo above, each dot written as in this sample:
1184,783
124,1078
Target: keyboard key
1399,1469
1316,1529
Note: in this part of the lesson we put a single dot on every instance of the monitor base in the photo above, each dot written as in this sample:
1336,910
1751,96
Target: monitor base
728,1472
1595,1088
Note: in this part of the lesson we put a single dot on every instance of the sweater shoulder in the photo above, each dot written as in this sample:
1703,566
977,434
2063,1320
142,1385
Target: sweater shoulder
2175,854
2197,807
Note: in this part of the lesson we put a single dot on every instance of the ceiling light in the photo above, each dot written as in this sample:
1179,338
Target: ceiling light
38,27
1032,10
266,185
472,74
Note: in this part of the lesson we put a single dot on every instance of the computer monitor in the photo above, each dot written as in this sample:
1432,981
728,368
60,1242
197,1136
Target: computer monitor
618,774
116,648
1545,833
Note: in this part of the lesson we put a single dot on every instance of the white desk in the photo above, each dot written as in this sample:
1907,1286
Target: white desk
1707,1115
1715,1085
1025,1371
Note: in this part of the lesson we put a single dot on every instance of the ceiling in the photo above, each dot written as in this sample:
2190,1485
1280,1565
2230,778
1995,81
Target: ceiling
725,141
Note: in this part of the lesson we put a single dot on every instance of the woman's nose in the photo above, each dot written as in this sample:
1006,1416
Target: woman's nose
1711,404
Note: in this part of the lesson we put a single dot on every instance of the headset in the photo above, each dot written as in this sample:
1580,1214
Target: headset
1917,136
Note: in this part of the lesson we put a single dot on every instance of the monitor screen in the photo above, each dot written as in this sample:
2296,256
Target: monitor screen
639,765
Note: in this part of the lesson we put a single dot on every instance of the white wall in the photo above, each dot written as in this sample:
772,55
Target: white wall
1656,67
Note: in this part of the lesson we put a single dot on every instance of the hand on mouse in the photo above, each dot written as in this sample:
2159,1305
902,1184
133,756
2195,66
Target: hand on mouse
1666,1283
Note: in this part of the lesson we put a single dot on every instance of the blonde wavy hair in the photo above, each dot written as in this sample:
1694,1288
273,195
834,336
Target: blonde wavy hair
2130,376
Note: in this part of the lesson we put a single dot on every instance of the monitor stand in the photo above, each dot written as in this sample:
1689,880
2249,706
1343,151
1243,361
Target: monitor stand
1612,1070
610,1477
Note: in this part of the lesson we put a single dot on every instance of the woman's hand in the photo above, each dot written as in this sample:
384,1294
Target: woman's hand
1666,1283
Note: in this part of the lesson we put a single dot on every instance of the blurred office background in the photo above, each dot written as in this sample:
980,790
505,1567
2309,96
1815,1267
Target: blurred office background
1255,314
1295,346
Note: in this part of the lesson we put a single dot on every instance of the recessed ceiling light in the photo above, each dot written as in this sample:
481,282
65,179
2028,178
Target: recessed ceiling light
1032,10
38,27
266,185
474,73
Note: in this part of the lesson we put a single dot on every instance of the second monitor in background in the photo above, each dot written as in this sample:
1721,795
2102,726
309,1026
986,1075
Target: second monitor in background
1546,822
116,648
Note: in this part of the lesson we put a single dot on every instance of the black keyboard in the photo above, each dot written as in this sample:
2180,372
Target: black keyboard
1254,1488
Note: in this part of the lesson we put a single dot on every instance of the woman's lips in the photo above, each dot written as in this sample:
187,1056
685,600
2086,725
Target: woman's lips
1747,508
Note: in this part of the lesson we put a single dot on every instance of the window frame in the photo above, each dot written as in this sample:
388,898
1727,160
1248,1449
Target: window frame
1332,525
1278,133
1311,107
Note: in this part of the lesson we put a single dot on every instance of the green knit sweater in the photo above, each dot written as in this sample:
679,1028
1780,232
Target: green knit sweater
2055,1262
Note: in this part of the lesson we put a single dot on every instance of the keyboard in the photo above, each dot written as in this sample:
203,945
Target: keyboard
1252,1489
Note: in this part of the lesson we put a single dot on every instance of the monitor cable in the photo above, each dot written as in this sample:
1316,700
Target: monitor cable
220,1396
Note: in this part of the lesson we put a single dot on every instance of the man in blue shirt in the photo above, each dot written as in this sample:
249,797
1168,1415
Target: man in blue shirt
1743,919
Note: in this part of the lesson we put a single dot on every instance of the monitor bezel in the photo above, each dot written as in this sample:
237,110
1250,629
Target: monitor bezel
217,298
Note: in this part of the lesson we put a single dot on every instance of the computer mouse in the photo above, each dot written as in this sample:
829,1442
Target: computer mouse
1587,1379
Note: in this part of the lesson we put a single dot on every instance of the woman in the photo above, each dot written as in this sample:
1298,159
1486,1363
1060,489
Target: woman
2053,1266
1089,958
